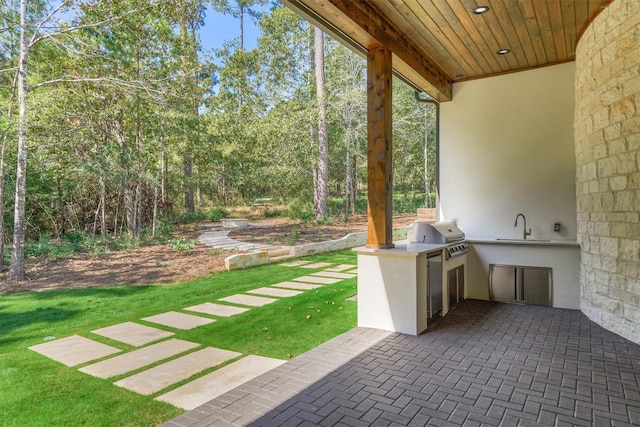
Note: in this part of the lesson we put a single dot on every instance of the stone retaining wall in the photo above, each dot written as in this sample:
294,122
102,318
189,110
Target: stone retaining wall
239,261
607,134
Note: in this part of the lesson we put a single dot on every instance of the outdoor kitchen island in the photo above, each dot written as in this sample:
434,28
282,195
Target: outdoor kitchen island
392,286
403,288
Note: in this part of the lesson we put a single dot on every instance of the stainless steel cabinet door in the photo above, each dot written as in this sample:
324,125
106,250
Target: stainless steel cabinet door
502,281
536,286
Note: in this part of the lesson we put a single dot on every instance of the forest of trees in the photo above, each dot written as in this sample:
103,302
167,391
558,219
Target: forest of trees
113,119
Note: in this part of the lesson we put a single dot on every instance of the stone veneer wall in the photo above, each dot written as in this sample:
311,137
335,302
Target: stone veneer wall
607,133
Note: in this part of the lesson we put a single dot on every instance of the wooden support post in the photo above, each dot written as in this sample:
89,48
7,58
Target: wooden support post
379,149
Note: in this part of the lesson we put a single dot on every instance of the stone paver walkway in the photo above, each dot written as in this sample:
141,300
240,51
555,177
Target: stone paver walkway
138,358
318,280
250,300
195,393
177,320
484,364
218,238
162,376
132,333
171,360
275,292
74,350
296,285
334,274
219,310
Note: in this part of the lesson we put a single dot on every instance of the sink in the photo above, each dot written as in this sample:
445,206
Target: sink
523,240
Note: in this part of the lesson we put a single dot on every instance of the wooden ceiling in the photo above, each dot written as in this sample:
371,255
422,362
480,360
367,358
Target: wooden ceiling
438,42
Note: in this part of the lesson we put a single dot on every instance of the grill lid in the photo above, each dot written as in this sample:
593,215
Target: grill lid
439,232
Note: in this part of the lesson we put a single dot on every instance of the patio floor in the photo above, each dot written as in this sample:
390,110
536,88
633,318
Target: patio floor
483,364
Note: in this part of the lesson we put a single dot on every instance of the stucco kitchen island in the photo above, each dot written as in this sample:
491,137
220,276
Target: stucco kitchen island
392,286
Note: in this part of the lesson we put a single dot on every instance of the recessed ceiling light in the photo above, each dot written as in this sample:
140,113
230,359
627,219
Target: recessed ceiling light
480,10
503,51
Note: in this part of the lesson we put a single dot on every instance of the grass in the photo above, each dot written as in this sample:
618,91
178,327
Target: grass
39,391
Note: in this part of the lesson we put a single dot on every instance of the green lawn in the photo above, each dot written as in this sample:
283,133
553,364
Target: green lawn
35,390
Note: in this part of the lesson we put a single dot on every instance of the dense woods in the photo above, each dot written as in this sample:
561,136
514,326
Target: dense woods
114,119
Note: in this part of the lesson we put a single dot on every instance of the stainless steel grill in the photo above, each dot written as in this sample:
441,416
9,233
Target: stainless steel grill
440,232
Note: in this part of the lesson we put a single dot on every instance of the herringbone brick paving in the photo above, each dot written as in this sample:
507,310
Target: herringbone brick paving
484,364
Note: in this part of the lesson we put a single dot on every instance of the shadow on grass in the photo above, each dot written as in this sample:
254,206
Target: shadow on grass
16,321
62,308
111,291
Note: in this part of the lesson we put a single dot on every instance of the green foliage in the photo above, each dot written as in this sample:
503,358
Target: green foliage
216,214
44,247
77,242
273,213
163,229
45,392
190,217
298,209
152,116
182,244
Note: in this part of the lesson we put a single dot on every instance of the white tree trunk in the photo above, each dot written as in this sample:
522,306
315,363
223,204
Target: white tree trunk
427,193
17,257
321,189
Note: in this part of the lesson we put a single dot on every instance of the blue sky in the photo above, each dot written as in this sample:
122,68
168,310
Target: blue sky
219,28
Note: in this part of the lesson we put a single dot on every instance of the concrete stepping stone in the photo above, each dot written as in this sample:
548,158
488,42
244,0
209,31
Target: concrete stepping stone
315,279
177,320
317,265
74,350
341,267
296,285
138,358
210,386
250,300
162,376
275,292
335,275
132,333
219,310
295,263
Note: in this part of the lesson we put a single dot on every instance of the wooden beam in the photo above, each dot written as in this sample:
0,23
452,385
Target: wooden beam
366,16
379,149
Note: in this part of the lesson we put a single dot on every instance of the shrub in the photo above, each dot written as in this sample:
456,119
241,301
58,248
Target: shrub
300,210
216,214
182,244
193,217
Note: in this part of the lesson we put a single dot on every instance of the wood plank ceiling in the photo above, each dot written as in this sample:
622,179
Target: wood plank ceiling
449,39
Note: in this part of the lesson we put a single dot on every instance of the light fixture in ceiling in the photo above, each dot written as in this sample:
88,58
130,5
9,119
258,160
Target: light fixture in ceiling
480,10
503,51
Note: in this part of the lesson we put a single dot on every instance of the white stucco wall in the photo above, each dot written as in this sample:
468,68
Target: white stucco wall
506,146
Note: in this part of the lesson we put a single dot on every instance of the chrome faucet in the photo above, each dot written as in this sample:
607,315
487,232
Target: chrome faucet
525,233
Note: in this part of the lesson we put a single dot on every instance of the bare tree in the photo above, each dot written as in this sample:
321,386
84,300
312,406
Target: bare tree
321,174
17,257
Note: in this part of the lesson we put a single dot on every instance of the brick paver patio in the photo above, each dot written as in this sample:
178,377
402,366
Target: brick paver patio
483,364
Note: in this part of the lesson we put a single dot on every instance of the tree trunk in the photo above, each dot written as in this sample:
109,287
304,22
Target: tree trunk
321,188
129,202
3,149
17,257
189,204
241,48
427,194
347,180
354,180
103,202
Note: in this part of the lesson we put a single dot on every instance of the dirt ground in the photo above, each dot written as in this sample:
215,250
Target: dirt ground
161,264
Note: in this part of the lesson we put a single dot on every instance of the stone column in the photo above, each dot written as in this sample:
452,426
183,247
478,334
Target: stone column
607,138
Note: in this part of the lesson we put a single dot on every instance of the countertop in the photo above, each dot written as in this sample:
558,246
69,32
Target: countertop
403,247
528,242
